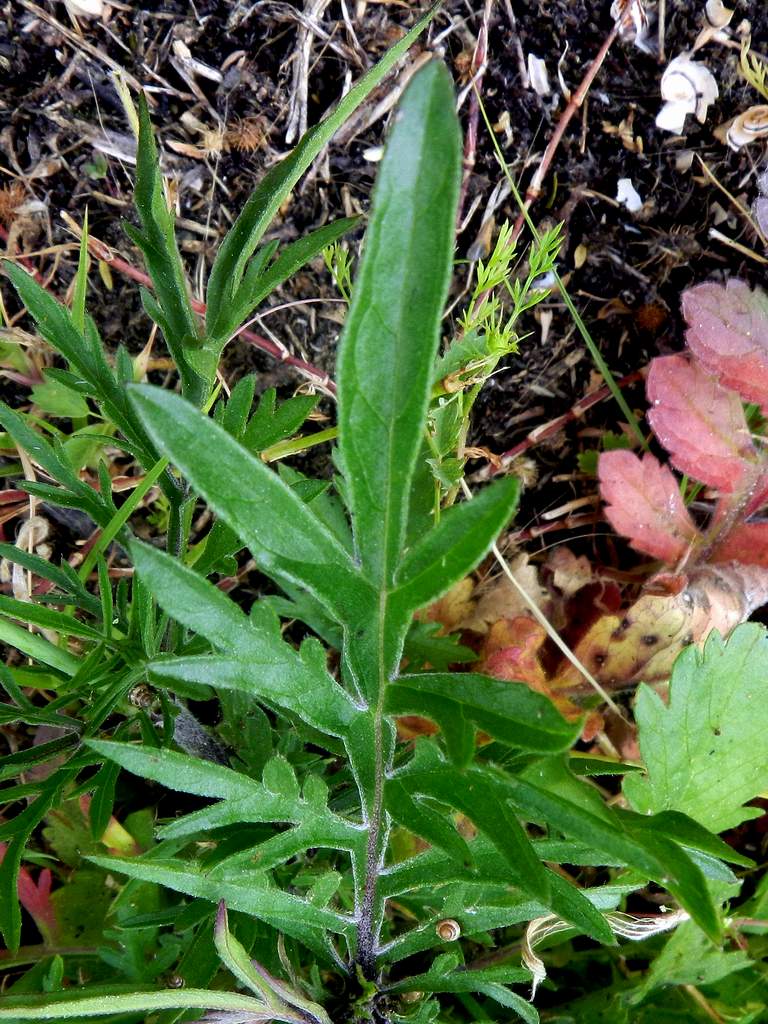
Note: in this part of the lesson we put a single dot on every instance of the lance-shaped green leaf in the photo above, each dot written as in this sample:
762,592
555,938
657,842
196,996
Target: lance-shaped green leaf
38,647
179,771
461,539
63,577
198,604
261,278
477,796
157,241
510,712
81,346
275,993
298,685
654,855
446,975
276,799
392,329
56,325
78,494
686,832
46,618
284,536
23,760
245,234
423,820
489,872
258,660
62,1006
236,959
476,912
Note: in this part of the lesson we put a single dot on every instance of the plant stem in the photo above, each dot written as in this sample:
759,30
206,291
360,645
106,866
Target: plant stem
296,445
369,921
176,545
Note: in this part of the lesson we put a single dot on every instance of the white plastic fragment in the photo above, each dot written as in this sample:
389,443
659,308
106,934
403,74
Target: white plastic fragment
628,196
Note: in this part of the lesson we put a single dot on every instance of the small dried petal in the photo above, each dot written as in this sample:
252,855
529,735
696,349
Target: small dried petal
687,85
717,14
86,8
538,75
628,196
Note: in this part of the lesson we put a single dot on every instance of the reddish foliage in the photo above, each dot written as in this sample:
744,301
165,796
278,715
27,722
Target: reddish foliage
728,333
35,897
697,415
643,502
701,424
747,543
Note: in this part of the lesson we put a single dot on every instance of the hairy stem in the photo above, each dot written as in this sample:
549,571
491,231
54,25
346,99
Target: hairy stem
369,922
176,545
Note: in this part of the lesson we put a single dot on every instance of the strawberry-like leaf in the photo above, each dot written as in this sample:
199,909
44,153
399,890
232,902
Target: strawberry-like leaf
644,504
701,424
728,333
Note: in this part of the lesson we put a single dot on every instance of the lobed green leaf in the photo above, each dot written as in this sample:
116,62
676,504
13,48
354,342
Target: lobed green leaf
451,550
510,712
704,750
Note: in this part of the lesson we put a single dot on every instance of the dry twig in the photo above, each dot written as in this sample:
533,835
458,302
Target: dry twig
297,112
574,103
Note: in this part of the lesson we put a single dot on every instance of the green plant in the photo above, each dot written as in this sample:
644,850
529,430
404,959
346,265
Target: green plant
489,332
123,629
342,865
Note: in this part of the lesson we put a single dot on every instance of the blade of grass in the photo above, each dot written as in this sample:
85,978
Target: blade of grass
37,647
81,280
119,520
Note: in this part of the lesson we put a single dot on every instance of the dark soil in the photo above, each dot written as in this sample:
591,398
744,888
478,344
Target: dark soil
625,271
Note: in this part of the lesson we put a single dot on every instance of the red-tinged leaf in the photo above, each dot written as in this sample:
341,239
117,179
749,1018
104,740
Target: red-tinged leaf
701,424
35,897
759,496
644,504
728,332
512,651
746,544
